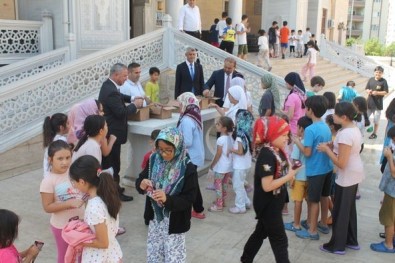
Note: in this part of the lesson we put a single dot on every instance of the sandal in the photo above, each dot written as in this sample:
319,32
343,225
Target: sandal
381,247
373,136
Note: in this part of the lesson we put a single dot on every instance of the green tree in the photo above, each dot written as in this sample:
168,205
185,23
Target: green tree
390,50
374,48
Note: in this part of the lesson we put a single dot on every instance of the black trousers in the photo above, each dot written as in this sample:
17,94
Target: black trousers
292,49
270,225
193,33
113,160
227,46
344,227
198,204
305,49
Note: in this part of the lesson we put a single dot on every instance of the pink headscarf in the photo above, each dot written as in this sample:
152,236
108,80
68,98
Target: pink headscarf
77,116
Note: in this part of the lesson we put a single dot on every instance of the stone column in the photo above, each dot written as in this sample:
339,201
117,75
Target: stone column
235,12
46,38
173,8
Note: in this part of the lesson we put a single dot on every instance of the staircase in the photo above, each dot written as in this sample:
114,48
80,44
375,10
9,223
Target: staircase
335,76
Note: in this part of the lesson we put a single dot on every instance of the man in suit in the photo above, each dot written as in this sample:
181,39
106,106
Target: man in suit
221,79
116,114
189,75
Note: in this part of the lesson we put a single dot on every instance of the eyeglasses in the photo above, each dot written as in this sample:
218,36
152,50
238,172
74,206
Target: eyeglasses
165,152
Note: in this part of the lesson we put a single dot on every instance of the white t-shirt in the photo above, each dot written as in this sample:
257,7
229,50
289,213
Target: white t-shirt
241,161
90,147
300,38
292,40
133,89
353,172
46,166
361,125
306,36
328,112
263,43
96,213
224,164
242,38
220,28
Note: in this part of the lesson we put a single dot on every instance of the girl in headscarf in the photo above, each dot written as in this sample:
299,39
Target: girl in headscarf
191,126
271,173
294,105
242,159
76,119
238,80
238,100
270,101
170,180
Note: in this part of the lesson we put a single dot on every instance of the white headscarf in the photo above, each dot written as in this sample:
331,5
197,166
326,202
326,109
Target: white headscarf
237,81
238,94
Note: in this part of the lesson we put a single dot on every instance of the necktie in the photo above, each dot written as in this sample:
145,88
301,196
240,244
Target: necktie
192,71
227,85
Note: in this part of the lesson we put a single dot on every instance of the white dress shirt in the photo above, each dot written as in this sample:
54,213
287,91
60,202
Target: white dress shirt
189,19
133,90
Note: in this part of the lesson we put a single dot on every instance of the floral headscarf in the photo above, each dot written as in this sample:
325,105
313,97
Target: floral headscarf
186,99
190,108
266,130
243,129
168,175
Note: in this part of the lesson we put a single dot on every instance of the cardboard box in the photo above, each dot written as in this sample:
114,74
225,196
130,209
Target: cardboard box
205,102
161,112
141,115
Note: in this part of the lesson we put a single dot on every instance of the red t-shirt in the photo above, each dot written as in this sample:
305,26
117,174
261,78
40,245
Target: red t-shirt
284,34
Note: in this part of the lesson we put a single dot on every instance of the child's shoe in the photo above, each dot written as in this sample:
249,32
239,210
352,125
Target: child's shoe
249,188
215,208
323,229
236,210
198,215
285,212
290,227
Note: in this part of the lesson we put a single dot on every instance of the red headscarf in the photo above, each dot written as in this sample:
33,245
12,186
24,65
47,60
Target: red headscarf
267,129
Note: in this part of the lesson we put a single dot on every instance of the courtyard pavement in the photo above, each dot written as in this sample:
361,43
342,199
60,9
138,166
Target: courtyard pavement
218,238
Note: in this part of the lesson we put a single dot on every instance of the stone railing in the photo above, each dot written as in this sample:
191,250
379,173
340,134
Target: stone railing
24,104
32,66
351,60
23,39
212,59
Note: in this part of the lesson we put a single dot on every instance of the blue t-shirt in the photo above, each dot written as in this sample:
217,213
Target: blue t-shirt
387,183
318,163
347,94
297,155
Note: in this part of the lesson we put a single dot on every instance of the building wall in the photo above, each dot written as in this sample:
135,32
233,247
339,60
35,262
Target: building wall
31,10
209,10
7,9
376,20
390,38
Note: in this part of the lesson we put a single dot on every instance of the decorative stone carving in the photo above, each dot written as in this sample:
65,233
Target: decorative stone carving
15,41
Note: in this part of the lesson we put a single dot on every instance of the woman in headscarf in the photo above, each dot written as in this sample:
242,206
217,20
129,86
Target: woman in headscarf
76,119
270,101
271,173
294,105
170,180
238,100
191,126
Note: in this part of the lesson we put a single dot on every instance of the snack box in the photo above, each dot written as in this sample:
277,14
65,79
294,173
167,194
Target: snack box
142,114
205,102
161,112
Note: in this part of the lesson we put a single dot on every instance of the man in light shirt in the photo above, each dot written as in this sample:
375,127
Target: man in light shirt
221,26
241,30
132,86
189,19
306,38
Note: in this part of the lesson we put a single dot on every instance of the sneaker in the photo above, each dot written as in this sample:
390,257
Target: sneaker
290,226
304,224
215,208
121,231
323,229
236,210
305,234
381,247
198,215
285,212
353,247
337,252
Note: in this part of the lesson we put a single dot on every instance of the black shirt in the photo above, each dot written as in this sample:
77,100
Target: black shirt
376,102
266,165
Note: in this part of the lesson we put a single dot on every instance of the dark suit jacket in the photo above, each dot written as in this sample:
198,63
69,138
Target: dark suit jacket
184,82
115,110
218,79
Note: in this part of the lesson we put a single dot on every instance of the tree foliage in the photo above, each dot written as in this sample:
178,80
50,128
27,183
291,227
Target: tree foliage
374,48
390,50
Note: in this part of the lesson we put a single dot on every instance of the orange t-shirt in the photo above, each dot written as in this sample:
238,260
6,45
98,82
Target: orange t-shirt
284,34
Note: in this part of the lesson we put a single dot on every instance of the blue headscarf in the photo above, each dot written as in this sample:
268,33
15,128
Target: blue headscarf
244,121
